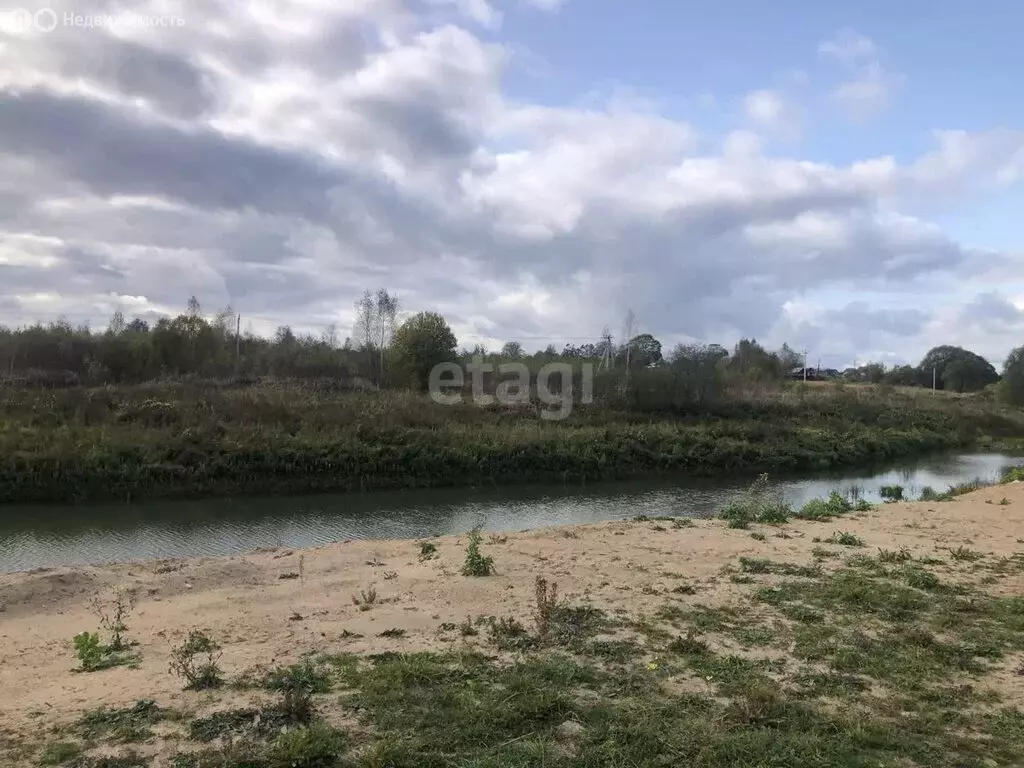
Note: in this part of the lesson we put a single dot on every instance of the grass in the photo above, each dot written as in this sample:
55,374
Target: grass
884,665
203,439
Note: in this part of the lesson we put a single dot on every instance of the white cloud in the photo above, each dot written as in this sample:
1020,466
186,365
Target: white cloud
283,168
870,87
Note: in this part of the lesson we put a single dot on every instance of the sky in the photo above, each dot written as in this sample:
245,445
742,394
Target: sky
843,177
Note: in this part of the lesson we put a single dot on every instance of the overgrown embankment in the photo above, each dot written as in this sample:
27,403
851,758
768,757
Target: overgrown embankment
191,440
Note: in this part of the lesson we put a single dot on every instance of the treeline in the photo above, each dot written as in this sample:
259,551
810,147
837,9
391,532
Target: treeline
382,353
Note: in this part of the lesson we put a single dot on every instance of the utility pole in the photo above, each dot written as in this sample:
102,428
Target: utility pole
934,371
606,353
238,342
805,366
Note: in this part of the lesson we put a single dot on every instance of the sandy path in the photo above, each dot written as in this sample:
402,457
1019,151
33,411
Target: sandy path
243,603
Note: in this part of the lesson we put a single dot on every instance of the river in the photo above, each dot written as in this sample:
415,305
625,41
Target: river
47,535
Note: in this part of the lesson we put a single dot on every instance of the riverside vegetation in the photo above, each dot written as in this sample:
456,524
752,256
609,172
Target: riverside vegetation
196,438
855,659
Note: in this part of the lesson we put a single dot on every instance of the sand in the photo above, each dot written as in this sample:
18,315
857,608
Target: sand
261,618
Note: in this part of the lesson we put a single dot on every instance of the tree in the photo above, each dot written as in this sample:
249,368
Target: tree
117,324
902,376
376,314
790,358
423,341
956,369
1012,388
512,350
643,351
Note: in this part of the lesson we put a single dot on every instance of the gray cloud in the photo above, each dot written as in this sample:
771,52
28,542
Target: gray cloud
284,167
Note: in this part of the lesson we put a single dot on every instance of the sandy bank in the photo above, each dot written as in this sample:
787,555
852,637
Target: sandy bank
261,614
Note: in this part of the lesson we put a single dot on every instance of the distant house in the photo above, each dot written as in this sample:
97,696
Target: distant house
812,374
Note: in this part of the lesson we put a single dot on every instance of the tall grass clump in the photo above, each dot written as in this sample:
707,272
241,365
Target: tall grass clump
760,504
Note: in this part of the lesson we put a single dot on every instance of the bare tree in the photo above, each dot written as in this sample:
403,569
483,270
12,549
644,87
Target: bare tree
628,330
376,316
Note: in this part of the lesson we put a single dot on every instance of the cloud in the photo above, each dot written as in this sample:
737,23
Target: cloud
282,158
771,110
870,87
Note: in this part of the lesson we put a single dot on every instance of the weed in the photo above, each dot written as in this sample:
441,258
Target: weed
304,673
476,563
467,629
900,555
393,632
862,505
1003,502
737,578
315,746
963,554
131,724
930,494
759,504
112,617
196,661
60,752
921,579
366,598
757,536
825,509
845,539
684,589
821,553
510,635
782,535
682,522
545,599
495,538
891,493
688,645
427,550
390,575
759,565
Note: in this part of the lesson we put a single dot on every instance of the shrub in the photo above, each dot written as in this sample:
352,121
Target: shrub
758,505
821,509
891,493
845,539
427,550
196,662
477,564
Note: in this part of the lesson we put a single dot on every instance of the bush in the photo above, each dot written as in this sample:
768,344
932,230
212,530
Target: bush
820,509
196,661
316,746
759,505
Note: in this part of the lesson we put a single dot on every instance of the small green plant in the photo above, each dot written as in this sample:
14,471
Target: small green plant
89,650
390,575
891,493
1003,502
196,661
862,505
477,564
467,628
393,632
684,589
845,539
757,536
922,579
682,522
427,550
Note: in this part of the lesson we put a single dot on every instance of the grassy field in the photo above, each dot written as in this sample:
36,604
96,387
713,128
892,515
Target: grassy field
852,656
191,440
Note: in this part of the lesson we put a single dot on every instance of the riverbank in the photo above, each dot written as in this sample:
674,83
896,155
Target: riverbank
892,636
170,441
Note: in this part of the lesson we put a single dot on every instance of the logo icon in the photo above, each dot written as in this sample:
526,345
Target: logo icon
16,21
